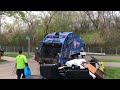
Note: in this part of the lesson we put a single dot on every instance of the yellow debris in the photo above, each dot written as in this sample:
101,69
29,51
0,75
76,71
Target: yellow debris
101,66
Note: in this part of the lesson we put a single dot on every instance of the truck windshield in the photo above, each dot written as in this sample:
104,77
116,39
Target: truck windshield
50,51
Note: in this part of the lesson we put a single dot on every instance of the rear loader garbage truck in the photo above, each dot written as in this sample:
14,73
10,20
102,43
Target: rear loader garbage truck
58,58
59,47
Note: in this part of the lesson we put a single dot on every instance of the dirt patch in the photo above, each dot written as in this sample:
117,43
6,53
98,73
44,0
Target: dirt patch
8,58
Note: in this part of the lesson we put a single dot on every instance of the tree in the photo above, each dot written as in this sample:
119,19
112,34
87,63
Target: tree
11,13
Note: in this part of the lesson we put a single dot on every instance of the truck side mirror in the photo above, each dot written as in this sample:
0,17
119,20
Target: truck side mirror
84,46
40,42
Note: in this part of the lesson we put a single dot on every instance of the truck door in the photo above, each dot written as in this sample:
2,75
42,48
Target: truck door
69,41
67,46
64,50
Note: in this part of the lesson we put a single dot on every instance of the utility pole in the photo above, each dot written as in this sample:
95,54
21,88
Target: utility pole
28,38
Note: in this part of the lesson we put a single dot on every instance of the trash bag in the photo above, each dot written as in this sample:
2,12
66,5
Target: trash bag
27,71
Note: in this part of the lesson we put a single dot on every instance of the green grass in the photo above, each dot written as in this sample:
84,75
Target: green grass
15,54
112,72
1,60
110,60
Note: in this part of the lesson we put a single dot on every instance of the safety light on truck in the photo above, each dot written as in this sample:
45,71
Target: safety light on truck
52,44
63,36
49,36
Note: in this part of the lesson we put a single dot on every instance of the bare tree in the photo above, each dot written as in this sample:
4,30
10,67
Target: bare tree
49,20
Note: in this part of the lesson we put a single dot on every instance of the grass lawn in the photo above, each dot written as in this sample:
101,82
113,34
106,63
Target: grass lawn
15,54
110,60
112,72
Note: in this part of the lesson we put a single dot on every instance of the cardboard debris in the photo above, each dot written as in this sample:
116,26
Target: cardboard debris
97,72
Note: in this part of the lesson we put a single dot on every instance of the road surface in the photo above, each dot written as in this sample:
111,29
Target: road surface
7,70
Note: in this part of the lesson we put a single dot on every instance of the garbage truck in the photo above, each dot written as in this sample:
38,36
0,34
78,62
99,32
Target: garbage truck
58,58
59,47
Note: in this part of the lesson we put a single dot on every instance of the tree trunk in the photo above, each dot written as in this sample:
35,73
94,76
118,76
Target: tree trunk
0,23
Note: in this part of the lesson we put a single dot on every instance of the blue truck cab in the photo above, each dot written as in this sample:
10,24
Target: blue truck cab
59,47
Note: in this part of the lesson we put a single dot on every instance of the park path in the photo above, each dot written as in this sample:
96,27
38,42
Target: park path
116,64
7,70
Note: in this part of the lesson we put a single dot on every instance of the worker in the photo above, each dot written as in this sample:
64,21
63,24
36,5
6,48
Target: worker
37,54
1,52
21,62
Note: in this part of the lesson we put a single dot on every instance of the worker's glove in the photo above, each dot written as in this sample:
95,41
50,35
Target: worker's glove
26,64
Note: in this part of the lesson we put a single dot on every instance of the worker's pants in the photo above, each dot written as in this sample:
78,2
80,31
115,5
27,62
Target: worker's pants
19,72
